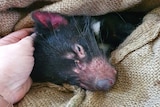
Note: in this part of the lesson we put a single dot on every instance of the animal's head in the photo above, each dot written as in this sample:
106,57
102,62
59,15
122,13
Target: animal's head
66,52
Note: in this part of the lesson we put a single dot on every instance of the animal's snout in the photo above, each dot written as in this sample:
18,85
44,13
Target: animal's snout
97,75
104,84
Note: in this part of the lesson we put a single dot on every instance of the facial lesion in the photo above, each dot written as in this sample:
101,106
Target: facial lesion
98,69
69,55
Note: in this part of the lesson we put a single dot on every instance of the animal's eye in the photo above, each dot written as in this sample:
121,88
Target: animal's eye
79,50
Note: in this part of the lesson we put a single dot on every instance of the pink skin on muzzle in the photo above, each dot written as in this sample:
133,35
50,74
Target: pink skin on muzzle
96,75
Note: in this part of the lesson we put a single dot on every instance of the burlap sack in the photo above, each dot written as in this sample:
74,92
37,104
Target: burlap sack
11,22
137,60
81,7
8,21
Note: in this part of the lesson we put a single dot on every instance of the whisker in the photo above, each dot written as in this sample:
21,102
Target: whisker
76,25
121,17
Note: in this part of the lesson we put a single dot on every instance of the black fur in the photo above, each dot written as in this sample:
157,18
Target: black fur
52,44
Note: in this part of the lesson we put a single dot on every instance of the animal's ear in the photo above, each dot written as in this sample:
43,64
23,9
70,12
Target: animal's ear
48,20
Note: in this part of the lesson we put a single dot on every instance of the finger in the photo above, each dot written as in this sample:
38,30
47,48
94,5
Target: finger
28,40
15,36
33,35
26,44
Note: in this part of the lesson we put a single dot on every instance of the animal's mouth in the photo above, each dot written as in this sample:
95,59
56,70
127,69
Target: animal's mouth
98,85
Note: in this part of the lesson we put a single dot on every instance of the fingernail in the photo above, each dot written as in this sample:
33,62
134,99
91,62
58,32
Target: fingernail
33,35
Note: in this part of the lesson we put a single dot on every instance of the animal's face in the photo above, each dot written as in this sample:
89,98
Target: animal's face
66,52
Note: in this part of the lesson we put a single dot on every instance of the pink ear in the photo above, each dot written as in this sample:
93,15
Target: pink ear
47,18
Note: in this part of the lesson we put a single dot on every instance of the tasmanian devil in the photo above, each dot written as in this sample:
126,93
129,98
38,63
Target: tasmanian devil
66,51
115,27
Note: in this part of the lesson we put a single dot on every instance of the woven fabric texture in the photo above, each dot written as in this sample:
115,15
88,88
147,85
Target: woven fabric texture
137,59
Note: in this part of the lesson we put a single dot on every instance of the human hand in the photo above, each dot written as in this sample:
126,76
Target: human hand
16,63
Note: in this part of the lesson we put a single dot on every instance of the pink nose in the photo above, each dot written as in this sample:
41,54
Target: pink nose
104,84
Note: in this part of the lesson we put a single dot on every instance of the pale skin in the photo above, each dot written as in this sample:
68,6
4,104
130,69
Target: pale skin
16,64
